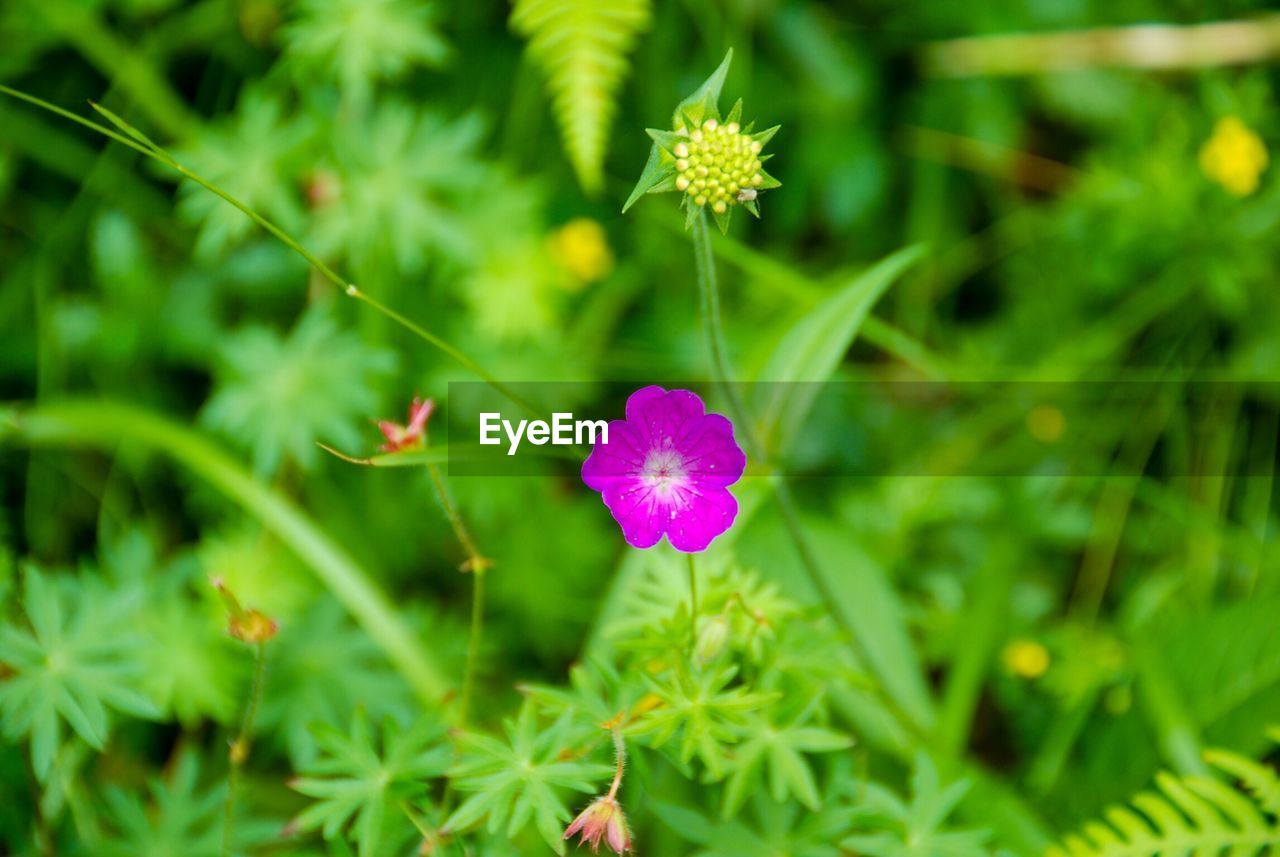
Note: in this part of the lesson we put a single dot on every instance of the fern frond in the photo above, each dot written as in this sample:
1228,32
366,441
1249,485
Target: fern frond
582,47
1260,780
1186,816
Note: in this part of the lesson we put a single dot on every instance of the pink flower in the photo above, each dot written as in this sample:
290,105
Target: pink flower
666,470
407,437
603,819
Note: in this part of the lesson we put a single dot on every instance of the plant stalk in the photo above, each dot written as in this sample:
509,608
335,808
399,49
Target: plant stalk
239,753
693,606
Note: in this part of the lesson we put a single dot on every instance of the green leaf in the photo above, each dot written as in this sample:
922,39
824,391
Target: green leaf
80,658
278,396
868,604
183,817
518,781
914,828
582,47
360,781
705,710
358,43
104,424
780,749
1187,815
813,347
302,692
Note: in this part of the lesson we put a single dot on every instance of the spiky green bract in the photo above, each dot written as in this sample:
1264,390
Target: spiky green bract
360,782
520,780
712,160
582,47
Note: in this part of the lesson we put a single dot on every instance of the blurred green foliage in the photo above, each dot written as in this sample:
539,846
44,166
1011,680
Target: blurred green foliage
988,662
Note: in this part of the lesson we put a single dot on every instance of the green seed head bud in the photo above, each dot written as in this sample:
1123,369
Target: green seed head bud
711,640
710,158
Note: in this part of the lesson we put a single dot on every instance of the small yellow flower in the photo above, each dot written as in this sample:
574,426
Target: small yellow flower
1046,423
1026,658
1234,156
581,248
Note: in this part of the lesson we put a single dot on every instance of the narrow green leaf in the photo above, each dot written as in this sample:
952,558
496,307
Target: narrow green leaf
126,127
814,346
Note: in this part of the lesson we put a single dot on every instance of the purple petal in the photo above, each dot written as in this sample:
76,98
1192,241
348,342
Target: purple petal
703,516
621,458
636,509
659,416
712,457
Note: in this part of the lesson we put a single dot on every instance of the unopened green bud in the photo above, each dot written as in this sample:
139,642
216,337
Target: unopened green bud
711,640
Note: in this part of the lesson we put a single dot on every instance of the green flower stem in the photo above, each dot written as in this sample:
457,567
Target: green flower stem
478,565
240,747
693,606
801,289
136,141
474,638
704,263
105,424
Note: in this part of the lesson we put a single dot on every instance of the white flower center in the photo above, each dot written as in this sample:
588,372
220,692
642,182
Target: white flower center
663,471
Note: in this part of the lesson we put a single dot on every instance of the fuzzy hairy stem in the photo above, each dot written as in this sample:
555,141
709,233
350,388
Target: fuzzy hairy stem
619,760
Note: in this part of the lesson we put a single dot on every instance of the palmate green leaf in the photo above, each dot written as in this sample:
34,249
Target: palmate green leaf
1188,815
180,817
814,346
892,827
780,749
359,43
359,782
321,666
518,781
406,183
582,47
278,395
253,154
701,708
79,658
